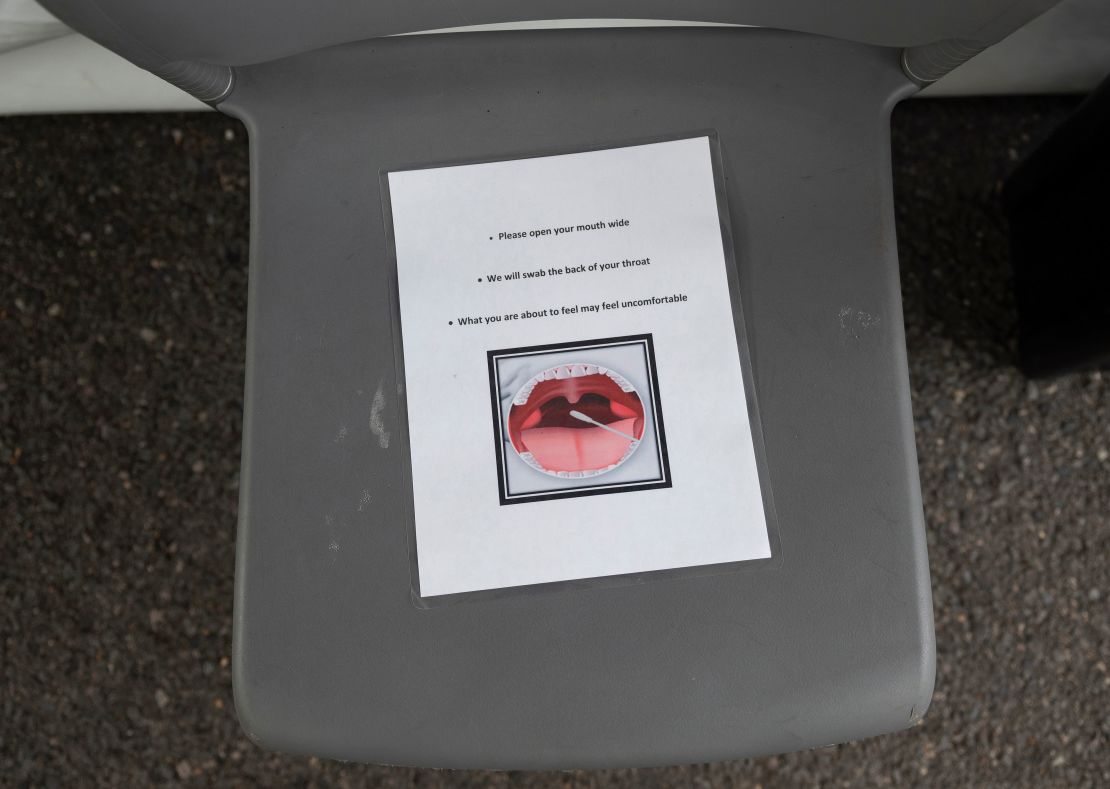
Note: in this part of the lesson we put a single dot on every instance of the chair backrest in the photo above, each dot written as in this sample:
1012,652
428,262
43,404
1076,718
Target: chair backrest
217,32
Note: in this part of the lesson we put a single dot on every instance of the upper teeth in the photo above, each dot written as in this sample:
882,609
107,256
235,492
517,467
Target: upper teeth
563,371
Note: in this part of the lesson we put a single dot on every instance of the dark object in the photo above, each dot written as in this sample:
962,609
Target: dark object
1058,207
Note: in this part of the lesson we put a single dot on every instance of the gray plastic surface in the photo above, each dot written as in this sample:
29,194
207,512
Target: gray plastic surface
332,657
253,31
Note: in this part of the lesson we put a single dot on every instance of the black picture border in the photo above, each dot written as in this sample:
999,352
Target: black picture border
595,489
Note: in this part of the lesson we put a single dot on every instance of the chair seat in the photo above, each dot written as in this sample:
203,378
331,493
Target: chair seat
834,642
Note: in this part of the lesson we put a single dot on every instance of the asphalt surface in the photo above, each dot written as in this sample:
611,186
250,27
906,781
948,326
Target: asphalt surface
123,254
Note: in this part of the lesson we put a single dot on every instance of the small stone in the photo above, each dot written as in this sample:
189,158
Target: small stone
161,699
198,467
183,770
54,310
148,334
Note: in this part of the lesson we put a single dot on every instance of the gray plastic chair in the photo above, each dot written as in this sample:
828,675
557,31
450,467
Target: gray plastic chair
831,643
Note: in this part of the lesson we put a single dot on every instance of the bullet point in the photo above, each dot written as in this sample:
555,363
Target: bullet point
479,279
491,238
450,323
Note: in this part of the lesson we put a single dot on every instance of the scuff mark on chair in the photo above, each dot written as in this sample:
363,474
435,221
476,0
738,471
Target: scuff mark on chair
377,416
854,322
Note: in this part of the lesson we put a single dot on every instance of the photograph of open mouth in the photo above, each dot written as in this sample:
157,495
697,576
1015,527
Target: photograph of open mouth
577,419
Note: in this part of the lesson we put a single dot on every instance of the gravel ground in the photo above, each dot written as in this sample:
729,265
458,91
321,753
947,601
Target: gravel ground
123,253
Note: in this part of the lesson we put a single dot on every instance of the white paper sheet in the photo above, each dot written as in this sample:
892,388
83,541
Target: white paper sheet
657,470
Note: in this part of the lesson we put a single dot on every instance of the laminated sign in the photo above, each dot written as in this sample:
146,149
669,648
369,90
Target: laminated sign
576,380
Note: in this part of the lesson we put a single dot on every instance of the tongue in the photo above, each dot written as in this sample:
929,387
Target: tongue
577,448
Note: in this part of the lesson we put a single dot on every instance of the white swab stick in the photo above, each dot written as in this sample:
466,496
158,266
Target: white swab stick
582,417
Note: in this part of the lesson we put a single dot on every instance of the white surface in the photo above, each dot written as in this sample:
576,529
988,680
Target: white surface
24,22
443,220
74,74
